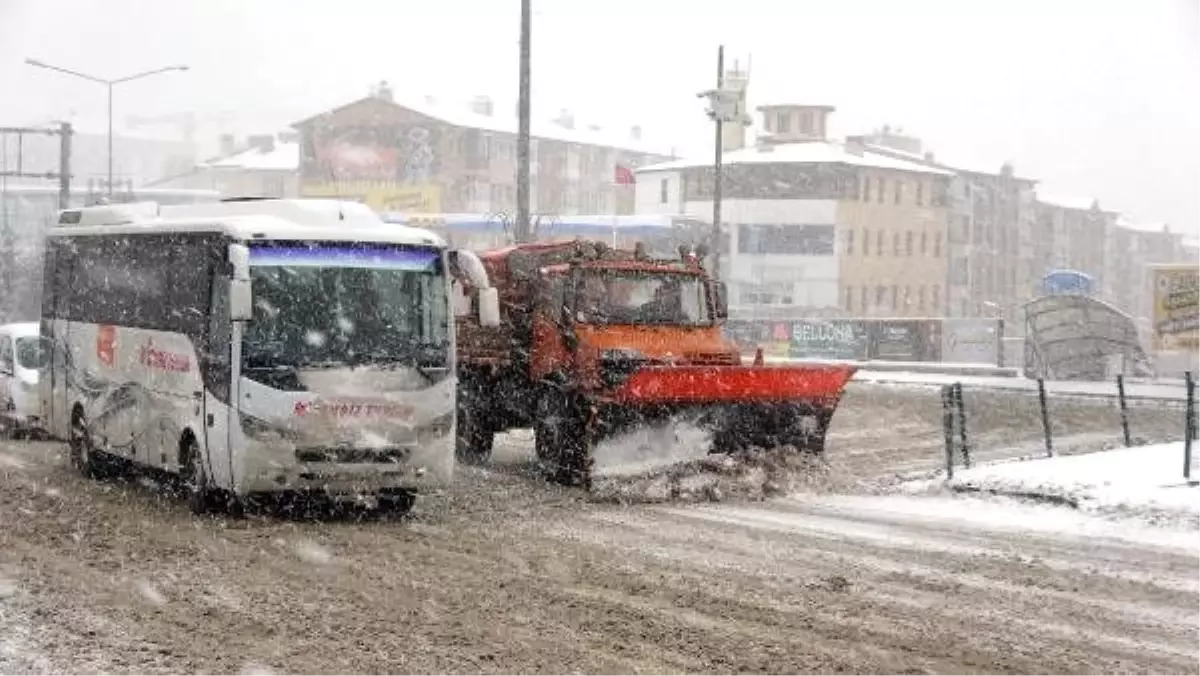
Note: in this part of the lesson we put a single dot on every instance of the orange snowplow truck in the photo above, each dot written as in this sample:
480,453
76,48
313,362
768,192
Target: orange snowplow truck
595,345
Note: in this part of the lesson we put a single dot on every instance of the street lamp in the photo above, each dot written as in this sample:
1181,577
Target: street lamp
109,84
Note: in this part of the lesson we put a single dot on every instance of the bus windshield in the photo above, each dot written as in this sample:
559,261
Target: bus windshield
351,304
641,297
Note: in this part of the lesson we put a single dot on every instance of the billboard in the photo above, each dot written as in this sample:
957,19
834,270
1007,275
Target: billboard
1175,308
389,166
971,341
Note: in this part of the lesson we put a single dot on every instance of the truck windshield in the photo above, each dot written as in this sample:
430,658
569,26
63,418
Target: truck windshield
332,304
641,297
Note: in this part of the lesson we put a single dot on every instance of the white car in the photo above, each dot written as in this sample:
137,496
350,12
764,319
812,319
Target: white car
20,358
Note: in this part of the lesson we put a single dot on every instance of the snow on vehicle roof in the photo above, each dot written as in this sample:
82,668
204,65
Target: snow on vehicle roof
320,219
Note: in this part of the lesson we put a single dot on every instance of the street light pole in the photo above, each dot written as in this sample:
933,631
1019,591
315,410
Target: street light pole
523,225
109,84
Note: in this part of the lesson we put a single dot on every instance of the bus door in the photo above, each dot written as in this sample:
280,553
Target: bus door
220,397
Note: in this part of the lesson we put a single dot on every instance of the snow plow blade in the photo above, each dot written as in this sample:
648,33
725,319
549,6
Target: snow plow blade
663,417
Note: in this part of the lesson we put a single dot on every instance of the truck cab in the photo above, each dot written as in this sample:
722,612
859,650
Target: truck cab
580,316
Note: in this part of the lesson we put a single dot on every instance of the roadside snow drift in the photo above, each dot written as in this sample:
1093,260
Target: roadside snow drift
1139,481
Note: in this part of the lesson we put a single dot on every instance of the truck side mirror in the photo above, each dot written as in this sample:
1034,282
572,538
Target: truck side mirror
489,307
720,301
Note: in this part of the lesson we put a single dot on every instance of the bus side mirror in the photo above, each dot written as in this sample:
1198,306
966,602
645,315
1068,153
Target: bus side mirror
241,305
720,301
239,261
489,307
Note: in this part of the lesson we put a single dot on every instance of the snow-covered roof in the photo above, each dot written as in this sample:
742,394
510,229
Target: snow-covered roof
281,157
1065,202
1141,226
809,152
463,115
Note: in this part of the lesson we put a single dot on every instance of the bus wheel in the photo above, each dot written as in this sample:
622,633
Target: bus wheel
196,484
90,462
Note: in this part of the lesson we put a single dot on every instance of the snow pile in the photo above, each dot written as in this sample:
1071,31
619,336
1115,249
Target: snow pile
753,475
1144,481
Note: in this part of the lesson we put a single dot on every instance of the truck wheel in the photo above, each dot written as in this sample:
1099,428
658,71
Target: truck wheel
561,440
474,440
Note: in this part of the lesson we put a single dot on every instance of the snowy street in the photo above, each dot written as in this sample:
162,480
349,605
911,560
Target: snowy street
853,572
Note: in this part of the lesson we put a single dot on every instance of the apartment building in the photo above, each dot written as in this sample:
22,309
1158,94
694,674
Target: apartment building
813,227
432,157
1073,233
990,232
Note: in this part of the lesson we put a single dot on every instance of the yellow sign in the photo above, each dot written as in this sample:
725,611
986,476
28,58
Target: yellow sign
381,197
1176,307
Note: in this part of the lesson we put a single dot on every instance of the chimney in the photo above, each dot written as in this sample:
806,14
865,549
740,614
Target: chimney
263,142
227,144
565,119
383,91
929,157
482,105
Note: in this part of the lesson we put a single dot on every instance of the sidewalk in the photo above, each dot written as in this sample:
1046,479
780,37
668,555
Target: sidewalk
1143,481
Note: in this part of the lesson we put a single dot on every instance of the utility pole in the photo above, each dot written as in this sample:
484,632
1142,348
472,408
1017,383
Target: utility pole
717,153
524,229
724,106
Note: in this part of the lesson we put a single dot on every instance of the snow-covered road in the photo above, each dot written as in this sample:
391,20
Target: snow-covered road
507,574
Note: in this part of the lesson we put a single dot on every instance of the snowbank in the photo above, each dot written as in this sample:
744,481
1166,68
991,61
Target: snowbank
1144,481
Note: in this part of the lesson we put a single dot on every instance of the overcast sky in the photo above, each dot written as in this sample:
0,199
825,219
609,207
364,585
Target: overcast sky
1093,97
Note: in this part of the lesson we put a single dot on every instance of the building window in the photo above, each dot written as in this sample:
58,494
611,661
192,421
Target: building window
880,295
784,123
662,192
866,189
921,298
937,245
882,190
924,243
862,299
806,122
879,243
899,191
809,240
935,298
920,193
849,299
866,247
895,297
908,243
850,242
896,244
